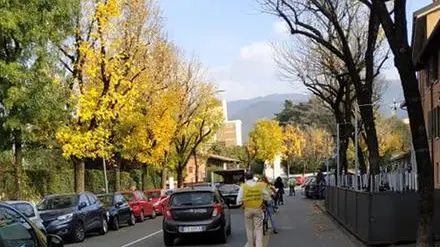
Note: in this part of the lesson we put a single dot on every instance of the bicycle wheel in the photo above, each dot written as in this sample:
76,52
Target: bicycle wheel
265,224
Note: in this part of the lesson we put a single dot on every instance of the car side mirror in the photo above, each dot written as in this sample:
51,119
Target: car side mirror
119,204
54,241
82,205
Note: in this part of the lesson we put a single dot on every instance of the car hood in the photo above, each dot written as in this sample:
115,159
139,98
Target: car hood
48,215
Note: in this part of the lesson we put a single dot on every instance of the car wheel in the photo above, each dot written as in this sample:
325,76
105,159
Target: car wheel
168,239
222,235
115,223
78,233
153,214
104,226
141,216
132,221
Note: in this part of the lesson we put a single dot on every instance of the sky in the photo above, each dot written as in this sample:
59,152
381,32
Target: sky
232,39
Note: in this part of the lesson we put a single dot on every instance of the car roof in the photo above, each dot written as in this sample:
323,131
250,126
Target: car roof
16,202
108,194
194,189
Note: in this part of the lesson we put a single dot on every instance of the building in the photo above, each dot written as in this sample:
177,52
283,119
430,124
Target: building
426,47
274,169
230,133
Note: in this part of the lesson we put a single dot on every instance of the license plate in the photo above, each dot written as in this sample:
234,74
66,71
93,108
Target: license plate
187,229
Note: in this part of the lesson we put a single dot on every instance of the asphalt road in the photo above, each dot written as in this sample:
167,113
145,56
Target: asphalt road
149,233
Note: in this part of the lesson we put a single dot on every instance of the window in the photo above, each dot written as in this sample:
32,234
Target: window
58,202
92,198
429,129
15,231
25,208
433,69
190,169
192,199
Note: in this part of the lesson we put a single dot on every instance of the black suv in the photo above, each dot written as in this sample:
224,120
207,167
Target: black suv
196,210
72,215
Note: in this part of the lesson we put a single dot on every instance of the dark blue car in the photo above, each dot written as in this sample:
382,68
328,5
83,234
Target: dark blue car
118,210
72,215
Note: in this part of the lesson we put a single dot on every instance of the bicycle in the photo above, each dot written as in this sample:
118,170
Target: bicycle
265,219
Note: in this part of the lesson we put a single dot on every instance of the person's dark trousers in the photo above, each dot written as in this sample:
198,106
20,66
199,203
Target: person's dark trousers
281,198
292,190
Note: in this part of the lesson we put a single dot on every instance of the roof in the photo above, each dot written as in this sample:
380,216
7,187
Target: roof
229,172
222,158
196,188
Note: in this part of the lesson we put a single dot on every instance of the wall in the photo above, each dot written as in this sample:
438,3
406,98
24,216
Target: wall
190,175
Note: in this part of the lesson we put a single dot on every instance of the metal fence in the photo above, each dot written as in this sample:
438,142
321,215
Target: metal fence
385,181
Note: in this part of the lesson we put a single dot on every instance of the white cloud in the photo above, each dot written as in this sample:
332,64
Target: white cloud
280,27
252,73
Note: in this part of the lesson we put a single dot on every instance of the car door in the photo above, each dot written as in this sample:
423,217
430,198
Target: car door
96,210
143,201
124,210
85,212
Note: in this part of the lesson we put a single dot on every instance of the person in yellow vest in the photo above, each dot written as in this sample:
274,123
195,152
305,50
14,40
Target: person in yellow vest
252,195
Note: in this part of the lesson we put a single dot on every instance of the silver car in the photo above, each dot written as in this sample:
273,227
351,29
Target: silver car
29,210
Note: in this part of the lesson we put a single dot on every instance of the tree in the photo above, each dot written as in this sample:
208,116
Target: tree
340,27
198,118
265,140
394,24
293,143
236,152
28,77
111,53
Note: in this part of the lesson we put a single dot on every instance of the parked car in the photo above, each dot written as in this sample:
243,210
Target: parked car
118,209
230,191
196,210
140,205
29,210
72,215
153,195
18,230
313,191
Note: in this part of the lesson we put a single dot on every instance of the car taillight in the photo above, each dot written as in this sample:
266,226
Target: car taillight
168,215
217,210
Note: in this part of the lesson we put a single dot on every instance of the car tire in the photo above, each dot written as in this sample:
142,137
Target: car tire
153,214
132,220
104,227
222,235
78,233
168,239
141,217
115,223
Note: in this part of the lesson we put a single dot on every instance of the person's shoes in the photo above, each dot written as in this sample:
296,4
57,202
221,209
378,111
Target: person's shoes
275,231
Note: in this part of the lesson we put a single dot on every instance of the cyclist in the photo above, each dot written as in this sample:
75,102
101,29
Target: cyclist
270,204
253,195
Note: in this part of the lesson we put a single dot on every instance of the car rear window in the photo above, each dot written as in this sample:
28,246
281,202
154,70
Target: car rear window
229,188
192,199
25,208
153,194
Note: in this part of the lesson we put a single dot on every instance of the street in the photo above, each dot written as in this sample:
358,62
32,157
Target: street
299,222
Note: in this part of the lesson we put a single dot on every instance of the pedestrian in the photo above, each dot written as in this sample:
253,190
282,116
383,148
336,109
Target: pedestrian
270,204
292,185
280,187
252,195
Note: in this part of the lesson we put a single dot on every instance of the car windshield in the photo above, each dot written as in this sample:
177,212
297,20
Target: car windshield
107,200
192,199
14,230
58,202
25,208
129,197
229,188
153,194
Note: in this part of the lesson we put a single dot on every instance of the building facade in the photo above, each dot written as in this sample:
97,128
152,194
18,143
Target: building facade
426,55
230,133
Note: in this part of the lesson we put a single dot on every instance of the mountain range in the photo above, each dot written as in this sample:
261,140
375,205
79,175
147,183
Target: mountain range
251,110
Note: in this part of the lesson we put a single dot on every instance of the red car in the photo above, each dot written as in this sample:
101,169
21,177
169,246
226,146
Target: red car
140,205
158,198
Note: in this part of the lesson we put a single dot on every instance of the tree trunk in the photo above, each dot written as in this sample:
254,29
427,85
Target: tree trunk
80,169
361,158
117,174
425,168
196,167
370,130
18,166
179,171
144,177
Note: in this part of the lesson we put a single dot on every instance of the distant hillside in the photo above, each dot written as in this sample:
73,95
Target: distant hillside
250,110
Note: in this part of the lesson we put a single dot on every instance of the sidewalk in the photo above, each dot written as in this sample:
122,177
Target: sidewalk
301,223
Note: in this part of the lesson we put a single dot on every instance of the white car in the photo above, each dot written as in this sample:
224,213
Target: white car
29,210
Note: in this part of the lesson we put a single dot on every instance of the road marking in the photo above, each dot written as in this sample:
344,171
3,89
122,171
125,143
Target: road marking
142,239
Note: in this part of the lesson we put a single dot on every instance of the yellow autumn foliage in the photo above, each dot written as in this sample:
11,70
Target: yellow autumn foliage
265,140
293,141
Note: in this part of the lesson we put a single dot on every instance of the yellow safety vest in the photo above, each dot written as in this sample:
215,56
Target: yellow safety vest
253,195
